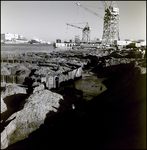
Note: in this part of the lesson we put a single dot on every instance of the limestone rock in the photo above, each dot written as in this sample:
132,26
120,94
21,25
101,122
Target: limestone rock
12,89
30,117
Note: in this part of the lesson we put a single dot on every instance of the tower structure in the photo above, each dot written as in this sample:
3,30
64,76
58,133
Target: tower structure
86,32
111,24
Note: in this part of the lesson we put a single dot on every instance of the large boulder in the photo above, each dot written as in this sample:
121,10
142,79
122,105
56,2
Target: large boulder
12,89
30,117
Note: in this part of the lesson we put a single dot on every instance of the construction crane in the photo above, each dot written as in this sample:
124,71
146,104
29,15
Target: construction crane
111,22
74,26
85,32
94,13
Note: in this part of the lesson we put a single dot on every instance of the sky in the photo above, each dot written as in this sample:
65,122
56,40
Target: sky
47,19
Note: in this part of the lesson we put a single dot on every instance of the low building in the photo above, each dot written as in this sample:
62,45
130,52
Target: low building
123,43
13,37
7,36
63,45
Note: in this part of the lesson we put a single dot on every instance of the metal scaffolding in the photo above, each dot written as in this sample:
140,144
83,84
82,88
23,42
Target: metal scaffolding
111,24
86,32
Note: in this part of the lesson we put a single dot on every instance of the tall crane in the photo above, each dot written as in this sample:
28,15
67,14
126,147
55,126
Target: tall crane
74,26
111,22
85,32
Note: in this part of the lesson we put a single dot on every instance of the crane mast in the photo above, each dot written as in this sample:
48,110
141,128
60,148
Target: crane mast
111,24
85,32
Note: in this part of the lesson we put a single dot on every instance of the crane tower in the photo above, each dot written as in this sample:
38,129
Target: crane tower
85,32
111,24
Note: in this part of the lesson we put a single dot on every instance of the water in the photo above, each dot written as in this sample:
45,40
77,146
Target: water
23,48
91,85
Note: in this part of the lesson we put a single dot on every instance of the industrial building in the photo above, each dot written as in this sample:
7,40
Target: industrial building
11,37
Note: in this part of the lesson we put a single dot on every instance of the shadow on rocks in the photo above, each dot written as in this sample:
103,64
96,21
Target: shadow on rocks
13,105
68,126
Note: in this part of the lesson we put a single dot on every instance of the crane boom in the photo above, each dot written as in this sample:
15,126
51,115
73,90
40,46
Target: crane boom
74,26
94,13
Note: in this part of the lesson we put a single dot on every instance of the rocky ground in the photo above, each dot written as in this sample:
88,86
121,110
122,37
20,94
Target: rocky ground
114,119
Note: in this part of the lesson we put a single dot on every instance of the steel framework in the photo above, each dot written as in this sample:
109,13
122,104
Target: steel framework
111,24
86,32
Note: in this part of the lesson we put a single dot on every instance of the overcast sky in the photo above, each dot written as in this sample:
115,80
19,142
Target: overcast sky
47,19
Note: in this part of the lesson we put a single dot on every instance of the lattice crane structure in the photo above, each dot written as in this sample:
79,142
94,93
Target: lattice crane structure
111,22
86,32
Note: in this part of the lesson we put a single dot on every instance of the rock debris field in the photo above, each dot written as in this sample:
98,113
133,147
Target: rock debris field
105,107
